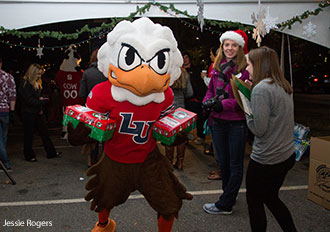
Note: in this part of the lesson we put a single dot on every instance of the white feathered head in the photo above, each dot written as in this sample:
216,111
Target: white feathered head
141,57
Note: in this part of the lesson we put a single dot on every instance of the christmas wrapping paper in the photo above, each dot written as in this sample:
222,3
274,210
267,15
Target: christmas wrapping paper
102,127
242,94
166,129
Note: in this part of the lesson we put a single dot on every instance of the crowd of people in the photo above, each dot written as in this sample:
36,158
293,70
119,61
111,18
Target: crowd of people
211,97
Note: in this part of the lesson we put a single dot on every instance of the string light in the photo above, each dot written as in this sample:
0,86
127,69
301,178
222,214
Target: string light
106,28
62,47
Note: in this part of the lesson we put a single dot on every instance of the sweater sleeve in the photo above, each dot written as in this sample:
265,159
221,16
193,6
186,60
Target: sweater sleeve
260,107
11,89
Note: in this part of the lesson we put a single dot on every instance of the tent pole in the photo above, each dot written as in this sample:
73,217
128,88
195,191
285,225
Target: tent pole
290,62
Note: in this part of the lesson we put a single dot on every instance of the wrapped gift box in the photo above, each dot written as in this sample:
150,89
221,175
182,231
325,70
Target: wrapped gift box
242,94
102,127
166,128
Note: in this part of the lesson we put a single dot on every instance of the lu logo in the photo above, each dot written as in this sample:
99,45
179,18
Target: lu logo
135,128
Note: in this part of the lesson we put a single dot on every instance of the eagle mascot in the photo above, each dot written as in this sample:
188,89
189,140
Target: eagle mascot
141,61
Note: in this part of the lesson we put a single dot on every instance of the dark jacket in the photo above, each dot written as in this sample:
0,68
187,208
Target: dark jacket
30,99
197,83
91,77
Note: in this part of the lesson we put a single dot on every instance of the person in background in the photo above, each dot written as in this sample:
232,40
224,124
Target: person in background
32,114
273,153
207,76
208,148
181,89
194,103
51,90
7,111
91,77
226,118
47,93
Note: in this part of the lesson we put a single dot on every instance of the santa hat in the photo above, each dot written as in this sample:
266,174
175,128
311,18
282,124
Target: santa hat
238,36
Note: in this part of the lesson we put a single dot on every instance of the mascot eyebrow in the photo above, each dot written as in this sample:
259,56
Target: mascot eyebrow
137,53
131,47
163,50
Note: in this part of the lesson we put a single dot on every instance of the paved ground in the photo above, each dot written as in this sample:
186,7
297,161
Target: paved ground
49,194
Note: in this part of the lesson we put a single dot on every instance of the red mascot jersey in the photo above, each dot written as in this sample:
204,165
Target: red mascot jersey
132,140
69,85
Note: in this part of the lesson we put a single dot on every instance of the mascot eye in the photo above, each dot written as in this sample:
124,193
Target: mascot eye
128,58
159,63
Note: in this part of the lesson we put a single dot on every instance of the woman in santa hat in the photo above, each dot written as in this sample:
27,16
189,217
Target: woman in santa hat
226,119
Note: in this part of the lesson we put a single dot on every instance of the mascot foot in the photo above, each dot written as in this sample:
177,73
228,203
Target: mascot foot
110,227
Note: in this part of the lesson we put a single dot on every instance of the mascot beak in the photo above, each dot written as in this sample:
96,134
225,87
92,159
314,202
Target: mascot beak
141,81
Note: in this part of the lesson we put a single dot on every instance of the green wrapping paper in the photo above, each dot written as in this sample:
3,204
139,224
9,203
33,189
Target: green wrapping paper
166,129
102,127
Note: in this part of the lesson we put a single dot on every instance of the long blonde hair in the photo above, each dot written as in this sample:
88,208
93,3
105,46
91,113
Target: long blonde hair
240,59
180,83
265,64
31,76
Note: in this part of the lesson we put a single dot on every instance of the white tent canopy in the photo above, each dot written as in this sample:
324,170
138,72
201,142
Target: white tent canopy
21,14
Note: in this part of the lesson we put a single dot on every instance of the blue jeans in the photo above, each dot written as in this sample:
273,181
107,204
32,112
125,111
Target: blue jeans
4,122
229,139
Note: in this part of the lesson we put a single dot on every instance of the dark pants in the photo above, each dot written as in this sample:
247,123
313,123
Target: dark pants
263,183
4,124
229,141
196,107
36,122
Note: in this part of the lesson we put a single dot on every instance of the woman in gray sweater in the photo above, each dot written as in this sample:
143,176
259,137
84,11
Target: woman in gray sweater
272,152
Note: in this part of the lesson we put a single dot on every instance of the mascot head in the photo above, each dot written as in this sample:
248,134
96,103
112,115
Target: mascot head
141,57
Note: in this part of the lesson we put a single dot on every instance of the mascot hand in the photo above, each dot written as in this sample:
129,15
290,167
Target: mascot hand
79,135
180,138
